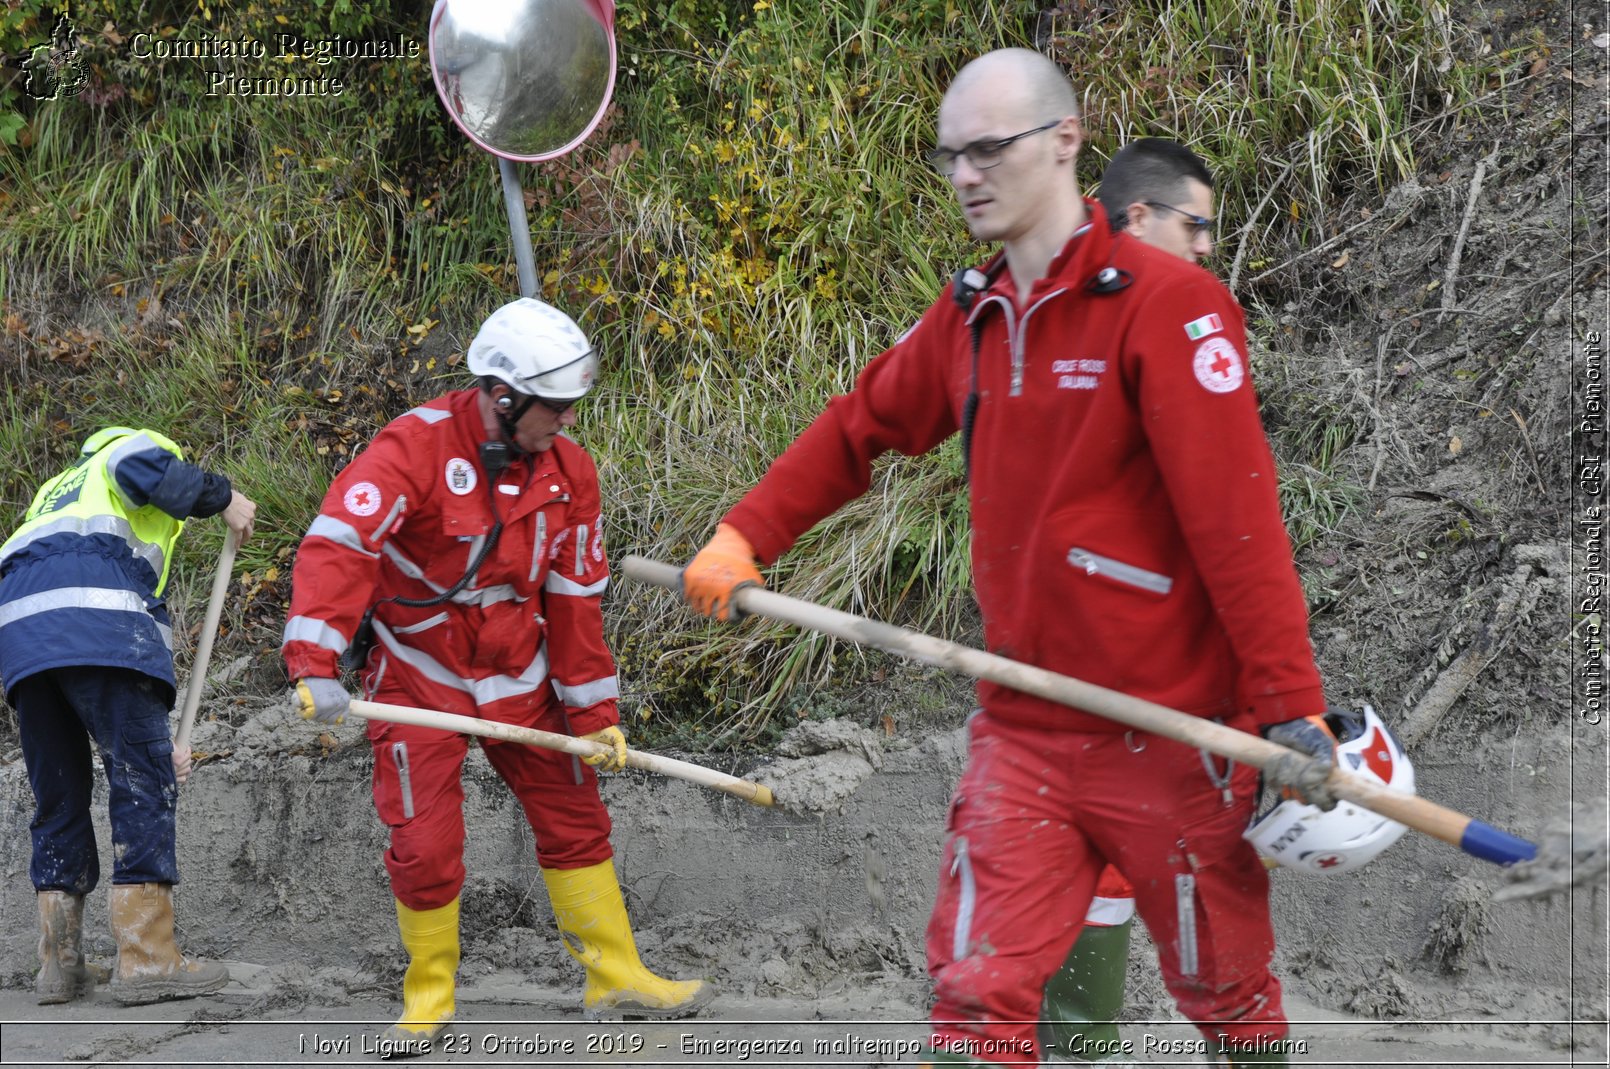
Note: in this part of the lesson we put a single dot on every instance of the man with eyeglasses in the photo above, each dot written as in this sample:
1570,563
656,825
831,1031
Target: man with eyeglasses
1086,995
1126,531
458,564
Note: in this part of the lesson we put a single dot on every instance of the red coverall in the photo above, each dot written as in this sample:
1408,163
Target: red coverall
522,644
1126,531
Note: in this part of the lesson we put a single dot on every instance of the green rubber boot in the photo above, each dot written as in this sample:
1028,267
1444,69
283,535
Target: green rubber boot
1085,996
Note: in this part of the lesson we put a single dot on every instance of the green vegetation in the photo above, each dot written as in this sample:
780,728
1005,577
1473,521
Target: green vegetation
271,279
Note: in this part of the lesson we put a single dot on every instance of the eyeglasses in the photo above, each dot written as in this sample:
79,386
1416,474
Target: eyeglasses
1201,225
981,154
558,408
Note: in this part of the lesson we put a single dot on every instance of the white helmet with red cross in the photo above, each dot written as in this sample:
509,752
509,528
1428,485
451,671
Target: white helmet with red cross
1305,838
534,349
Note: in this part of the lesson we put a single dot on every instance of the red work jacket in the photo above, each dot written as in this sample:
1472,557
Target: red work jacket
407,517
1126,526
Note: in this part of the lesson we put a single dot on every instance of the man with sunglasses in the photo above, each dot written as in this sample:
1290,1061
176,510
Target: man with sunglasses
458,565
1160,192
1126,531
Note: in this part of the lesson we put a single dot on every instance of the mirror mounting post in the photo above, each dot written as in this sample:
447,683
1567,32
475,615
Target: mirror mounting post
519,229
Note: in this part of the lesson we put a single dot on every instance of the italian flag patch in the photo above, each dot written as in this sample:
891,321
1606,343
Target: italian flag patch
1201,328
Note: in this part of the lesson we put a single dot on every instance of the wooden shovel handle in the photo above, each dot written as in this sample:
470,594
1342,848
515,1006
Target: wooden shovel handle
1472,836
209,631
754,793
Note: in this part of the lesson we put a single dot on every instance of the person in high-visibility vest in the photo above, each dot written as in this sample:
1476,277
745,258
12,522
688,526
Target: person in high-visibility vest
86,655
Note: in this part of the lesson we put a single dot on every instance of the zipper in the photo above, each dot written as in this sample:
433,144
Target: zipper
1018,341
423,625
536,549
399,757
964,909
1185,903
1119,572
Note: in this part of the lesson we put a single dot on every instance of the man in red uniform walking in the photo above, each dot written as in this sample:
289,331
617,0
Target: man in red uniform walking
466,545
1126,531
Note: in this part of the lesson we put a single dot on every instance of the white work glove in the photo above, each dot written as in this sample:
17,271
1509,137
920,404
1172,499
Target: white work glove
614,738
324,700
181,764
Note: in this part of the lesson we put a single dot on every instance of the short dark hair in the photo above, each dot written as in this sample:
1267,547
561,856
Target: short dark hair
1153,168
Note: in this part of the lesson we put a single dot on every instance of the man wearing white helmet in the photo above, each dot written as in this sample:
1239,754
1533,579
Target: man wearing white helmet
458,564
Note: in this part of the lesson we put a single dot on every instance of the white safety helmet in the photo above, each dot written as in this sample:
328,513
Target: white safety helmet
536,350
1308,839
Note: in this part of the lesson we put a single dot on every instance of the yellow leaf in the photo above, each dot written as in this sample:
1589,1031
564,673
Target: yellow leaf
271,575
282,20
1341,261
430,365
1454,444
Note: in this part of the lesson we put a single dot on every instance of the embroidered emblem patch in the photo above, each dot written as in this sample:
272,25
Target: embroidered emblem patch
461,476
1218,366
362,499
1198,329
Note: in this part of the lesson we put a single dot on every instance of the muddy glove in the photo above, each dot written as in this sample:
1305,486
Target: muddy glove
1298,778
324,700
181,764
614,738
726,563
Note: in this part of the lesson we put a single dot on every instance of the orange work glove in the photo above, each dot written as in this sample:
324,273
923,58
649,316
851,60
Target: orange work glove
726,563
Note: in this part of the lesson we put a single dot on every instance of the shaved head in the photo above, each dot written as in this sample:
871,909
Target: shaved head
1036,86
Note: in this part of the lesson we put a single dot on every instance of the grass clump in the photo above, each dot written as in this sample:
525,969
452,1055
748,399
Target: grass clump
272,279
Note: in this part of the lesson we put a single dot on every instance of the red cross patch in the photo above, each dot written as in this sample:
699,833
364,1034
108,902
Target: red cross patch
362,499
1218,366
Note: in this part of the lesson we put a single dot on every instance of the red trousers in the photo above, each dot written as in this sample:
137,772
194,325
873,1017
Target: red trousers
419,796
1035,818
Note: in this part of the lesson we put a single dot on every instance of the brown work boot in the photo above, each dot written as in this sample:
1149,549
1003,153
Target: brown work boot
63,976
149,965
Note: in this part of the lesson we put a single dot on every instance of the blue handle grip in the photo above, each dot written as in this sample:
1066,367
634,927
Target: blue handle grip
1490,844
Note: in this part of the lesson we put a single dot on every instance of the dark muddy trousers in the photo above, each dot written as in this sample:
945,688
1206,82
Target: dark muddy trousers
126,714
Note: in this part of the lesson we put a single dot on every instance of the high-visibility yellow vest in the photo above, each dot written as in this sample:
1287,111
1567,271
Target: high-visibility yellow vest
86,500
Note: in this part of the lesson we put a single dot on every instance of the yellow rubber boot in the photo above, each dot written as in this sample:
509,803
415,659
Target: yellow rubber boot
431,938
592,919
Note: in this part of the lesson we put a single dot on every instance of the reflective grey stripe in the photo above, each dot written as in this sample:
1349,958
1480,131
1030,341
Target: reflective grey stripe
84,526
584,694
341,533
399,757
429,415
408,567
581,549
484,691
1185,906
475,547
391,518
140,443
558,584
97,598
964,907
537,546
483,597
1119,572
309,629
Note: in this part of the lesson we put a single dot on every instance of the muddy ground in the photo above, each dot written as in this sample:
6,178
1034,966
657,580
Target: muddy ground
1442,580
813,918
